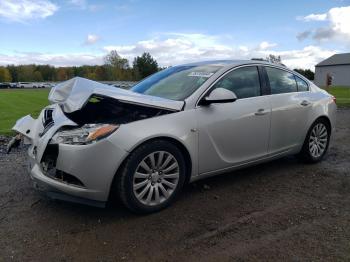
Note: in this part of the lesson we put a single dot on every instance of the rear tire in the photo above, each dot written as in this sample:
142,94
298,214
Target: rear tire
151,177
316,142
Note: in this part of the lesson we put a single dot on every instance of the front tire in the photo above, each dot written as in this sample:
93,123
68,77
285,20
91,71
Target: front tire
152,177
316,142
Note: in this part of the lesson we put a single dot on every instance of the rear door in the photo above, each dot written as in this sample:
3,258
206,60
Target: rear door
289,110
234,133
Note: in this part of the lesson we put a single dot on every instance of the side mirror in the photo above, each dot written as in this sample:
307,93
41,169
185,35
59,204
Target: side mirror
219,95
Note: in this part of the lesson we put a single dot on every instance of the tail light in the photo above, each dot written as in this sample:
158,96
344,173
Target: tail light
334,99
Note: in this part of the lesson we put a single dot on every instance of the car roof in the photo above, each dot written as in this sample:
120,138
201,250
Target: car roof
230,63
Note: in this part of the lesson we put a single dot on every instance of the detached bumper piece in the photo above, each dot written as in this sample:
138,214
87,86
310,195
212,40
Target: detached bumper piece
14,142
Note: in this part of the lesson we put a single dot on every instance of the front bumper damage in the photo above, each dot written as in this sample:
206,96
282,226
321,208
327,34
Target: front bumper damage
84,172
76,173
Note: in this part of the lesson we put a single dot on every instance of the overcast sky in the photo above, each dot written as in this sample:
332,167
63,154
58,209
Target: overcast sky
76,32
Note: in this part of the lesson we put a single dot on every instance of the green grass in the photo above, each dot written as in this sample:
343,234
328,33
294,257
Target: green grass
342,94
17,103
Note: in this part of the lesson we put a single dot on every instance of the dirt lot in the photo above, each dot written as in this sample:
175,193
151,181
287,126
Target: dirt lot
280,210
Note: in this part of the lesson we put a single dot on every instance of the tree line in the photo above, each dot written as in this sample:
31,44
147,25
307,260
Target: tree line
115,68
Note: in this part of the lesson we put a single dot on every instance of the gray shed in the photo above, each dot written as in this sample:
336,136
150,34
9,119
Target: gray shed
337,67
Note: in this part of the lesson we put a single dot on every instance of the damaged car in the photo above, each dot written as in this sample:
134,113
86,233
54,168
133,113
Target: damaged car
95,142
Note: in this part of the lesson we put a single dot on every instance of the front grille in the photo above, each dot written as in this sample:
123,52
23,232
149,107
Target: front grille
47,120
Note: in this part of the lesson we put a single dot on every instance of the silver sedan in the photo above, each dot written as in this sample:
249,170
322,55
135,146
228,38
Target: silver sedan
96,142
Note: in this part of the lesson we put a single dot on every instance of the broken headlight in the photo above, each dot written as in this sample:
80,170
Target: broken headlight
86,134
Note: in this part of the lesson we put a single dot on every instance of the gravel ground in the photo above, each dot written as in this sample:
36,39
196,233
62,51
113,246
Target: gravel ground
283,210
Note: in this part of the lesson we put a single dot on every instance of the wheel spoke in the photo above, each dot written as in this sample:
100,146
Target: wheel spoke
166,162
313,149
164,192
145,166
322,145
318,149
323,135
141,184
144,191
313,133
153,162
140,175
318,129
156,190
174,175
169,184
160,158
150,194
173,166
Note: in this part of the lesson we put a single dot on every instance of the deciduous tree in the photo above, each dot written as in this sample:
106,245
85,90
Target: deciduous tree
5,75
306,72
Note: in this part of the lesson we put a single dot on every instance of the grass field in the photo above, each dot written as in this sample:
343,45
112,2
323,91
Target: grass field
17,103
342,94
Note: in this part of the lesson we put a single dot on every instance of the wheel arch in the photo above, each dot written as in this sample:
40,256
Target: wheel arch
326,119
185,152
321,117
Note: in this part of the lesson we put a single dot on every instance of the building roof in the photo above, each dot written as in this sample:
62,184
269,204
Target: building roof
338,59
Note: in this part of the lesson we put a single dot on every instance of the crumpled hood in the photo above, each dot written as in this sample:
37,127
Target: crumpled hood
74,93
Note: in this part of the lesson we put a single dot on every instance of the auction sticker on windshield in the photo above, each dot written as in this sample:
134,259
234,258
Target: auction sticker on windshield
201,74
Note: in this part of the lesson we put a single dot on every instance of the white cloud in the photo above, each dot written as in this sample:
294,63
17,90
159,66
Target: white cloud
177,48
24,10
306,57
337,27
72,59
266,45
91,39
171,49
314,17
84,5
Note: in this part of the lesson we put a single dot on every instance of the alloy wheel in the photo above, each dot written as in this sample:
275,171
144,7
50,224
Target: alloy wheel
318,140
156,178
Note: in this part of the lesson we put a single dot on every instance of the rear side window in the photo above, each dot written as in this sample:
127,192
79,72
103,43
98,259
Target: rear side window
281,81
244,82
302,85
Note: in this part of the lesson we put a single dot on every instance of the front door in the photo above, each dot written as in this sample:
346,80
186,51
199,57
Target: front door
234,133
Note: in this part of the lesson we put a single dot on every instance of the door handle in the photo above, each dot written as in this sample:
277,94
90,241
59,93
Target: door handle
260,112
305,103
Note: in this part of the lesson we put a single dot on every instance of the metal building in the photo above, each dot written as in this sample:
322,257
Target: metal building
335,70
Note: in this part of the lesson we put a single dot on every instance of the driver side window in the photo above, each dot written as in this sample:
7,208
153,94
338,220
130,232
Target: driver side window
244,82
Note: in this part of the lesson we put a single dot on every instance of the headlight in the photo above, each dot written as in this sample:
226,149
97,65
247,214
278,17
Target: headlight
84,135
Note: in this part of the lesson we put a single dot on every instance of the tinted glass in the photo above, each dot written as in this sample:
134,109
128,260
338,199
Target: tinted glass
244,82
176,82
302,85
281,81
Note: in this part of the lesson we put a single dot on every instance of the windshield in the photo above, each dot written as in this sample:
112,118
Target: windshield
176,83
